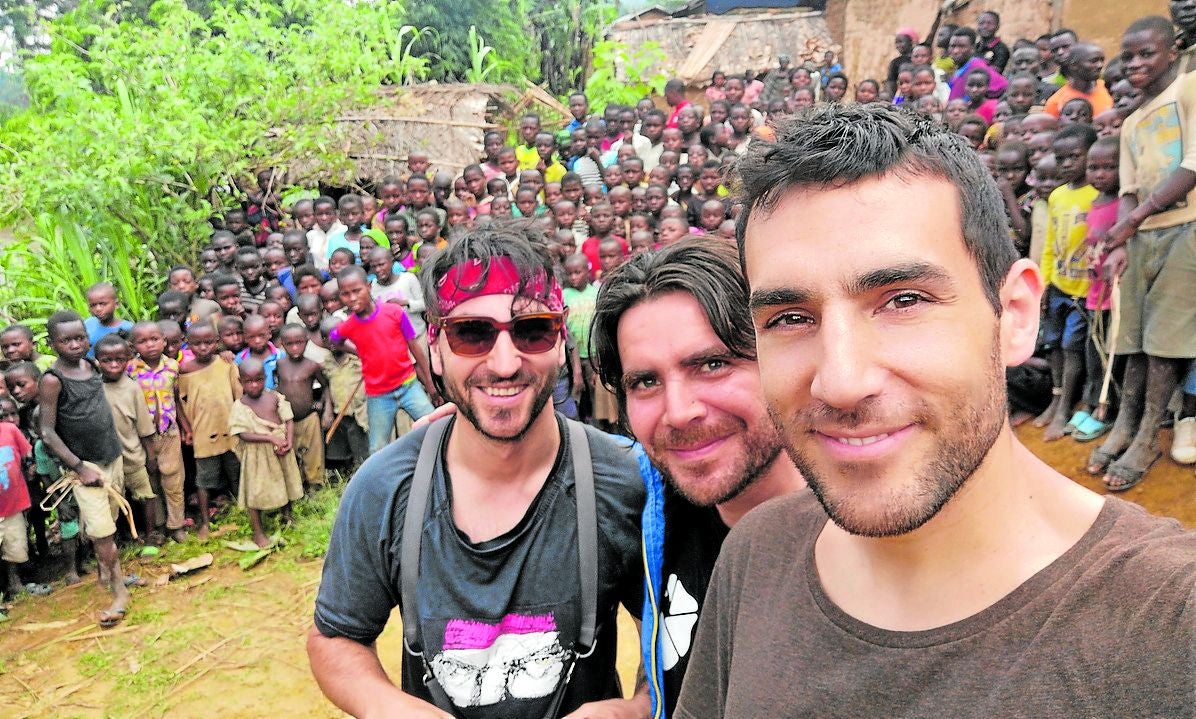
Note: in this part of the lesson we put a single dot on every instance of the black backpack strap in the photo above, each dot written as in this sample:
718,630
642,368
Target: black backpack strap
587,536
413,531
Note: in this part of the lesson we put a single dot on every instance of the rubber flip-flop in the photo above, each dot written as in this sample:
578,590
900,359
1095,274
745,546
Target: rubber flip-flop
38,590
111,619
1100,460
1091,429
1129,476
1077,419
132,580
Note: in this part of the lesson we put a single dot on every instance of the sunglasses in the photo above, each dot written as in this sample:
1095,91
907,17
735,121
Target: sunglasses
475,336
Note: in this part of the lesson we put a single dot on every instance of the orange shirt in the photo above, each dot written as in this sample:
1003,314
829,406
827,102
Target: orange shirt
1099,98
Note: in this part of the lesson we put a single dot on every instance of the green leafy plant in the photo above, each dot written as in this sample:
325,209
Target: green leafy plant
482,61
142,124
623,74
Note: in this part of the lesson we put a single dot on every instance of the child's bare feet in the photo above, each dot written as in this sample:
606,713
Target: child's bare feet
179,535
202,533
261,540
72,577
1057,429
1048,414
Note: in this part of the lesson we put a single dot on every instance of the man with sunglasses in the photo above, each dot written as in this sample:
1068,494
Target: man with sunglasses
393,364
673,338
524,529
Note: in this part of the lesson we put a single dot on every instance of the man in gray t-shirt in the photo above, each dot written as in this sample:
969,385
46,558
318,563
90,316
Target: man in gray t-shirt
502,598
958,576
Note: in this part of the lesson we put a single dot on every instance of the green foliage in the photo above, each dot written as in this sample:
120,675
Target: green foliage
482,61
449,49
565,31
623,74
139,127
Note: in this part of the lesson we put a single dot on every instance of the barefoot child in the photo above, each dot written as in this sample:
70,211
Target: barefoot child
77,427
297,378
208,387
134,426
1065,273
262,422
157,375
349,443
21,380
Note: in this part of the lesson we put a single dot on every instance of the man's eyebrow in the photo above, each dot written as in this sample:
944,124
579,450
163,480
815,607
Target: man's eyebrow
714,352
631,377
888,276
761,299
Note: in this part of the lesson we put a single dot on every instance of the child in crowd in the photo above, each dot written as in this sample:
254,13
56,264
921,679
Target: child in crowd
15,455
157,377
1065,273
134,426
77,428
259,347
208,386
16,344
102,304
298,380
263,423
349,442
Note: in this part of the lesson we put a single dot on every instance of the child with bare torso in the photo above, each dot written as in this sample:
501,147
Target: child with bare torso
297,378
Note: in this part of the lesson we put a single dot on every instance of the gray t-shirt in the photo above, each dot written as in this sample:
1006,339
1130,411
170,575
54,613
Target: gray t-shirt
1106,630
497,618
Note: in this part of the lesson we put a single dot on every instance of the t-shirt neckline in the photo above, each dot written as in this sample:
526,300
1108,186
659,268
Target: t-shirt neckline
977,623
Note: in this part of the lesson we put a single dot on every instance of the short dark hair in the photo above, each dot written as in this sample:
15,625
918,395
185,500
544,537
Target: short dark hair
323,200
1069,31
306,271
111,341
24,367
1154,23
173,296
23,329
967,32
835,145
704,269
993,14
1081,131
56,320
223,280
514,240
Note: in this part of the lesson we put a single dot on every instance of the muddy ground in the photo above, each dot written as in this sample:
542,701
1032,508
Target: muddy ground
225,642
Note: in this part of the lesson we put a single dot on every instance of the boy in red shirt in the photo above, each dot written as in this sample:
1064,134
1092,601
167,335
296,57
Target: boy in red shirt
379,332
14,496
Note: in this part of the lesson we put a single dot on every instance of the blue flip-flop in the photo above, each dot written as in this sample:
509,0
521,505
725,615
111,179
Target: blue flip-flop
1076,420
1091,428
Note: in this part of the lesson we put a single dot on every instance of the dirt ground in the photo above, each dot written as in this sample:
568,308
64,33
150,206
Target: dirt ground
230,643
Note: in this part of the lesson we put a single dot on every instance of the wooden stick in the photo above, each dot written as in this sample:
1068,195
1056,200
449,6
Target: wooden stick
1114,330
344,410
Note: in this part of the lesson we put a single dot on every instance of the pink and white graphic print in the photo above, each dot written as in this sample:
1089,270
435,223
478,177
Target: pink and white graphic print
480,664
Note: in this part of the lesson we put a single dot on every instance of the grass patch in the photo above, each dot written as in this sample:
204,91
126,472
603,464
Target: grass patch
314,516
91,664
141,614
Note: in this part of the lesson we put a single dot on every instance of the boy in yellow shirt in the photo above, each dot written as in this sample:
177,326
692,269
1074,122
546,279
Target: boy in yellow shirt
1065,274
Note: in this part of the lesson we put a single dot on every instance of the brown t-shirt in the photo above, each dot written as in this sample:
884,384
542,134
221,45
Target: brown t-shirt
1104,631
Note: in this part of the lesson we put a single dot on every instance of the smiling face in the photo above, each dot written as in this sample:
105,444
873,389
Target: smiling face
696,408
1145,58
882,367
504,391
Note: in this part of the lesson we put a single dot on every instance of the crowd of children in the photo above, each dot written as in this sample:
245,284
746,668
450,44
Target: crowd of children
298,336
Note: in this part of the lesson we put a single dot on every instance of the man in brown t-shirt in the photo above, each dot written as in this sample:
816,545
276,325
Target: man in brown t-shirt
959,576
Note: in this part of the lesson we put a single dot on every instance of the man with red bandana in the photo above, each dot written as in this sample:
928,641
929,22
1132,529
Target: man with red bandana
527,536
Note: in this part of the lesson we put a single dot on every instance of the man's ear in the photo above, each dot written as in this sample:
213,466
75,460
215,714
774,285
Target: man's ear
1020,297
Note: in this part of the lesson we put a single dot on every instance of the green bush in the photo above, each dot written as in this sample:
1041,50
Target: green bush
140,126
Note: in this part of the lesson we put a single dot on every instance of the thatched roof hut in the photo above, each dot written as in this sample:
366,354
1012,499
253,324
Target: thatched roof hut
446,121
696,46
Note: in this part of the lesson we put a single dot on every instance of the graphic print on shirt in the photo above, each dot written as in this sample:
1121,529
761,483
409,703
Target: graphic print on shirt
680,618
480,664
1159,138
7,459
